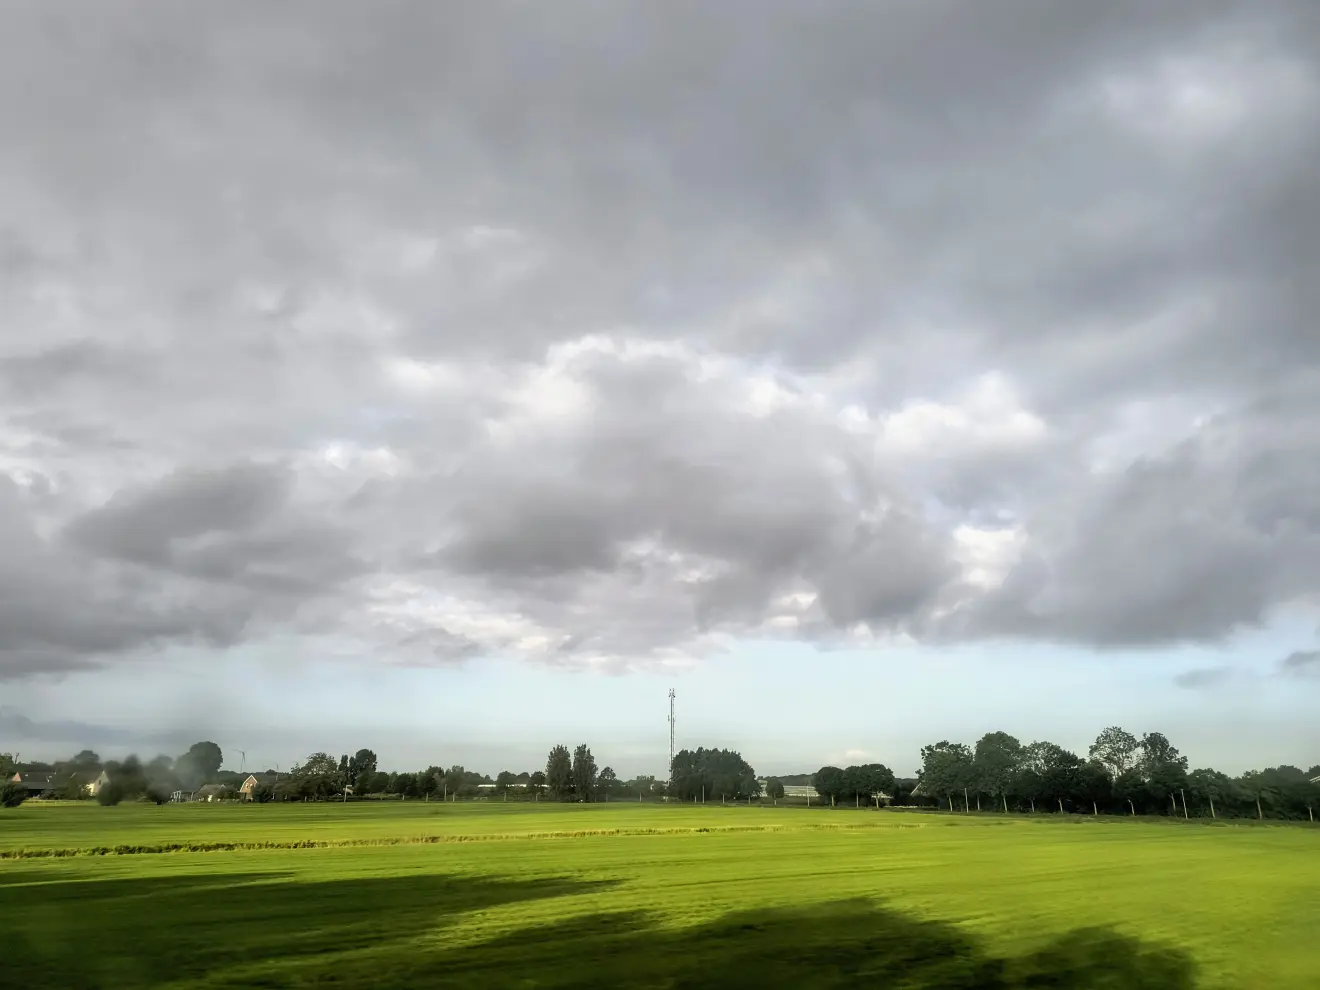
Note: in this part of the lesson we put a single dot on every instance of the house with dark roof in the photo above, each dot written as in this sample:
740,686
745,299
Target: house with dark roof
37,784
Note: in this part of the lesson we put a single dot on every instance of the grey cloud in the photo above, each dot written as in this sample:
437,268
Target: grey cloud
59,611
141,526
1184,546
1301,662
301,301
16,726
1204,677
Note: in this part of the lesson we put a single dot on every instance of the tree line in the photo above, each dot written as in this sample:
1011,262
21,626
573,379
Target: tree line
1121,774
130,778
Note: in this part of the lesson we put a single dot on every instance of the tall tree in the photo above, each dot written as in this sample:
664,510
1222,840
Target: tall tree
995,764
428,782
831,783
199,765
608,781
455,780
584,774
946,769
1163,769
1213,793
1116,750
405,785
559,774
360,764
317,776
877,779
774,788
536,780
713,772
505,780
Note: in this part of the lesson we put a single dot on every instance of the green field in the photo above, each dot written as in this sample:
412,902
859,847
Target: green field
495,895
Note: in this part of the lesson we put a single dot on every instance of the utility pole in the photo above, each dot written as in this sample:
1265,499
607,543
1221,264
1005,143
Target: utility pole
671,737
671,730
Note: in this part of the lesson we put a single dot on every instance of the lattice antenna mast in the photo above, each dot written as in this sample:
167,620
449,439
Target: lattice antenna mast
671,730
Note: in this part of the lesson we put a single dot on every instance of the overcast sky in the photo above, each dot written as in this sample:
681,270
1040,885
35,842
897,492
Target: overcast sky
455,378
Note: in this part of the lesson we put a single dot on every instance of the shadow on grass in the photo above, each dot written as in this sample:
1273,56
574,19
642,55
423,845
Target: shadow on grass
836,945
273,931
152,931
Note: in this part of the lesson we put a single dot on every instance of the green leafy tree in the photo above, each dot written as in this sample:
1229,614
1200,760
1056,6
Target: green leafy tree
454,780
876,779
376,783
1116,750
1163,769
1214,792
428,782
559,774
584,774
995,765
774,788
831,783
536,781
946,769
712,772
505,780
360,764
12,793
608,781
7,766
318,777
1049,773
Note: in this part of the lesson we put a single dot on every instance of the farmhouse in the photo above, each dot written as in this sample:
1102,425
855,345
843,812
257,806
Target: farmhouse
93,786
37,784
247,790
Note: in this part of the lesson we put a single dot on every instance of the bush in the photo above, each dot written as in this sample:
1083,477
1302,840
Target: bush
110,795
12,794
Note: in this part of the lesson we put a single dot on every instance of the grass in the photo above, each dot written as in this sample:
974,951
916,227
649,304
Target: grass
649,896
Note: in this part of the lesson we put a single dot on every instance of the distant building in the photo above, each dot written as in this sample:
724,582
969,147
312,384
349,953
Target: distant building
1315,780
93,787
37,784
800,791
212,792
247,790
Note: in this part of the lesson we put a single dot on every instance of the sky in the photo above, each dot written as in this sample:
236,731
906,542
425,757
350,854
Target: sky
456,379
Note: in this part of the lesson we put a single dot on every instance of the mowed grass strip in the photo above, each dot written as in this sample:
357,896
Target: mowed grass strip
966,905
